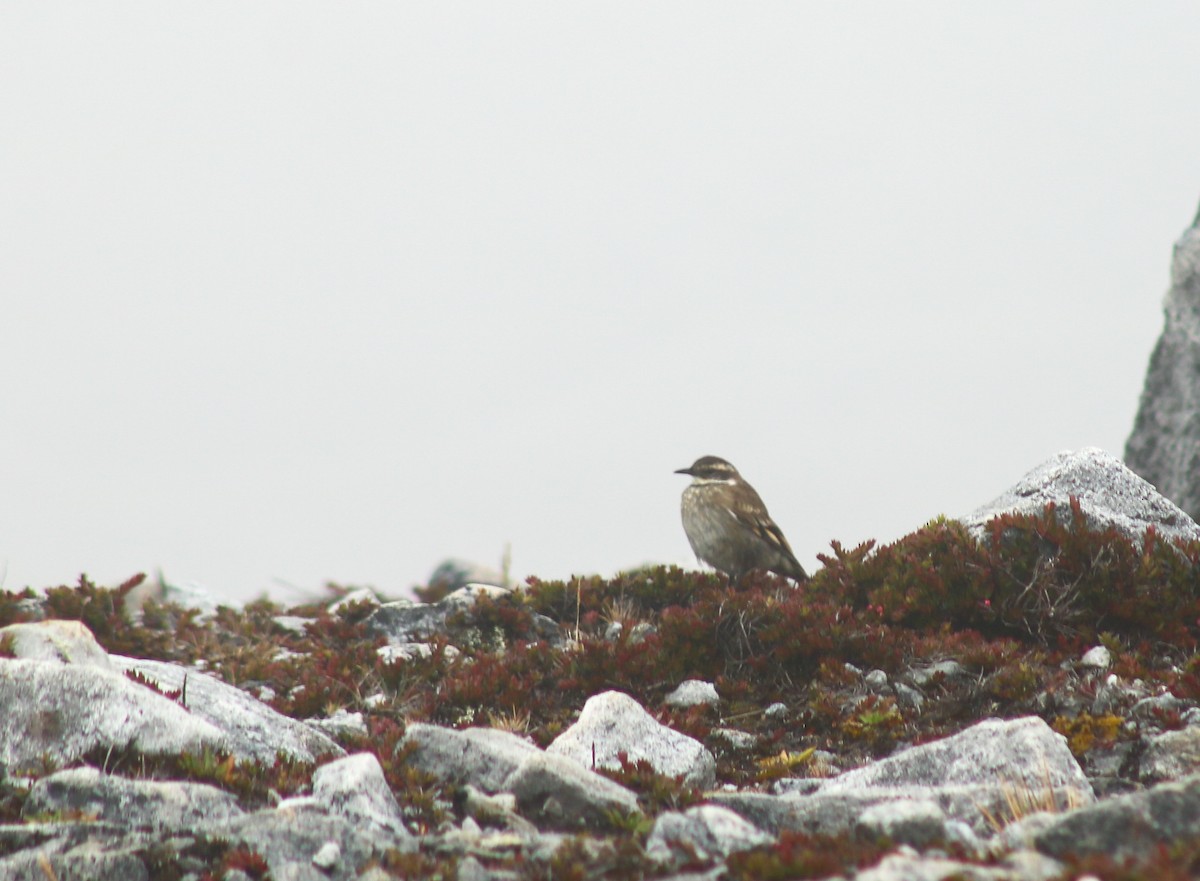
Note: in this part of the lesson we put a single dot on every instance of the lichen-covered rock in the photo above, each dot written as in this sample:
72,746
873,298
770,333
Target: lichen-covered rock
482,757
50,711
1109,494
251,729
613,723
154,804
565,795
69,642
918,822
1016,752
355,788
1133,825
1164,446
405,621
290,839
702,833
1171,755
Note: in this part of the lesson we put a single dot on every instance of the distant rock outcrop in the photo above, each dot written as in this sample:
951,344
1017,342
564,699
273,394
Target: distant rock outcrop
1109,495
1164,447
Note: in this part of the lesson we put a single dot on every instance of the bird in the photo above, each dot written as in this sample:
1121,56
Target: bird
728,526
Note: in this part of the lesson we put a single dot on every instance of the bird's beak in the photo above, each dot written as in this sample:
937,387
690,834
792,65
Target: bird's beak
687,471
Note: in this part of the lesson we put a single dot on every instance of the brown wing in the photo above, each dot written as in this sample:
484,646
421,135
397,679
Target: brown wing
752,513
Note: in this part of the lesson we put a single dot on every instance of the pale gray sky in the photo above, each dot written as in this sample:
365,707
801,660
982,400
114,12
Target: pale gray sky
334,291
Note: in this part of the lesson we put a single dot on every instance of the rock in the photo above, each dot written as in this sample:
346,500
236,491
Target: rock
340,724
251,729
1097,657
1164,446
918,822
82,863
565,795
358,595
1133,825
68,642
404,622
173,806
702,834
693,693
407,622
613,723
410,651
735,738
1017,752
290,839
453,574
482,757
1171,755
329,855
876,681
60,712
973,777
1110,496
1160,709
910,866
355,788
939,670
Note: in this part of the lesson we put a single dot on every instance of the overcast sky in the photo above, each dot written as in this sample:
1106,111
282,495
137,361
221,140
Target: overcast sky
298,292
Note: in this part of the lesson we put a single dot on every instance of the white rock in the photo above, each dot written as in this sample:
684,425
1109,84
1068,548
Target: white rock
61,712
705,832
355,788
1098,657
1110,495
612,723
691,693
69,642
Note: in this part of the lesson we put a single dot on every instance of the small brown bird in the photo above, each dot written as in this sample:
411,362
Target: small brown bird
728,526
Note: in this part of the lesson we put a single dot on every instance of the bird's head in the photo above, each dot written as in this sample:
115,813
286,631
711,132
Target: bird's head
710,468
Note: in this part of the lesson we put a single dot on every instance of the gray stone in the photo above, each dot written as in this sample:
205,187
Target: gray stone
566,795
404,621
69,642
980,807
340,724
80,864
613,723
1132,825
910,866
290,838
1171,755
920,823
453,574
1156,708
735,738
1016,752
132,803
60,712
702,834
876,681
251,729
1164,446
1109,494
692,693
355,788
482,757
935,672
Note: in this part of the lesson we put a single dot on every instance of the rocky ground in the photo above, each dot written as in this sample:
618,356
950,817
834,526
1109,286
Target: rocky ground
1012,695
